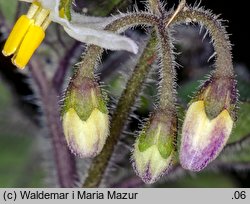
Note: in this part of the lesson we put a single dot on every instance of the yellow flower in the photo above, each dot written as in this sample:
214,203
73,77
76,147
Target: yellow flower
29,31
27,35
86,138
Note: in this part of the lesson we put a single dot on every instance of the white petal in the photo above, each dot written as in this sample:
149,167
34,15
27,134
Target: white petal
30,1
105,39
52,5
91,22
90,29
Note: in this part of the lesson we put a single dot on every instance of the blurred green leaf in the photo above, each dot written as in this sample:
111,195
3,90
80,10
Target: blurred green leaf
116,85
100,7
187,90
202,180
8,8
242,127
244,90
17,168
240,155
4,96
14,151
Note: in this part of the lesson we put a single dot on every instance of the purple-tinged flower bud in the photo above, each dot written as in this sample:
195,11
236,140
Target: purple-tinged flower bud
155,147
85,118
208,123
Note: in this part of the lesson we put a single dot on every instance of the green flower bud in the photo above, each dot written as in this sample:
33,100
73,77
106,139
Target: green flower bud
155,147
85,118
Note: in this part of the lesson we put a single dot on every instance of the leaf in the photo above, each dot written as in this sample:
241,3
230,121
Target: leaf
5,97
237,152
65,8
202,180
239,155
243,87
242,126
186,91
18,165
17,169
8,8
100,7
236,157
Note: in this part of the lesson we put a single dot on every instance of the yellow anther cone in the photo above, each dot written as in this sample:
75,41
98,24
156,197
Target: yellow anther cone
30,43
16,35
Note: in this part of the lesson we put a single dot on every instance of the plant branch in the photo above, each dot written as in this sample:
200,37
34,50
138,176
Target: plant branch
121,114
168,75
166,57
59,36
222,46
90,57
132,19
65,162
61,71
155,6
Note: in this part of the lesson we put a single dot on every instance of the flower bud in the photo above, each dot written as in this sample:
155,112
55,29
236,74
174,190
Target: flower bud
208,123
155,147
85,118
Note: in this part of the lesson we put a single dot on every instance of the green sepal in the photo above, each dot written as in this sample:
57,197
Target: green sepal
160,131
65,5
84,100
145,141
166,145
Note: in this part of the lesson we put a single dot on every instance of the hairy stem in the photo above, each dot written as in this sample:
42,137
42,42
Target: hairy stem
168,75
121,114
222,46
155,6
65,162
132,19
61,71
166,58
90,58
87,66
89,61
